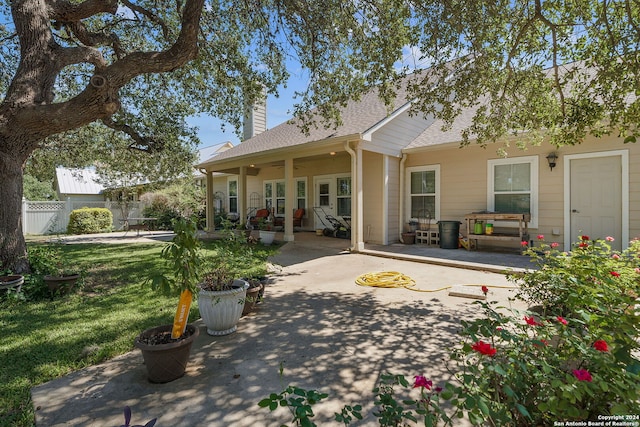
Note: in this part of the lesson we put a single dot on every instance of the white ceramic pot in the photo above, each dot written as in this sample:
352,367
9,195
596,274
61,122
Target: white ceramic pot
266,237
221,310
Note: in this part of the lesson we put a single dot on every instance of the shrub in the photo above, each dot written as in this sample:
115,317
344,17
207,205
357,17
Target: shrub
161,210
90,220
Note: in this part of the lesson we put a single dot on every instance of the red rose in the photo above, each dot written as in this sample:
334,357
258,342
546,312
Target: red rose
601,345
484,348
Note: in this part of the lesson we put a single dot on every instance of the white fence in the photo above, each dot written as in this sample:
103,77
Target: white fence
53,217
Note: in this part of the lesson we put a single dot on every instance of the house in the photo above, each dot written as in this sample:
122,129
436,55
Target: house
79,185
206,153
383,168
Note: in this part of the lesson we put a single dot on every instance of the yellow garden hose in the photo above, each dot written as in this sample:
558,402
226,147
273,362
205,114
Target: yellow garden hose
394,279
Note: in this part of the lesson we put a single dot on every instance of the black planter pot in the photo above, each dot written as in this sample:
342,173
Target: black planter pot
166,362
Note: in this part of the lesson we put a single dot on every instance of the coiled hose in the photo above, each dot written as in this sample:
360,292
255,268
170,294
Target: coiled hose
395,279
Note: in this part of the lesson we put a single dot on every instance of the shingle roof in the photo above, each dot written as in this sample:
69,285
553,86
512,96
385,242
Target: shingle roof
357,117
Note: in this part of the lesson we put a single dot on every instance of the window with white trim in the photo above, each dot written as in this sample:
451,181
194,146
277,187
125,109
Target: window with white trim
275,194
232,190
343,196
301,193
423,183
512,186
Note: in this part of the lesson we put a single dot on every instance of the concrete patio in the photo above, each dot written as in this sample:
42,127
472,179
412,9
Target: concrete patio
329,333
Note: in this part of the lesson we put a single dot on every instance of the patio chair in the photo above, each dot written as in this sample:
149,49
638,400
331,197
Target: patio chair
297,219
261,215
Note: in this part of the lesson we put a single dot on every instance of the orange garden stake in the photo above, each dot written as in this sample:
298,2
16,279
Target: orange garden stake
182,314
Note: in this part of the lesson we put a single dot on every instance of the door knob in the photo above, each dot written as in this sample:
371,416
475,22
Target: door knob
575,211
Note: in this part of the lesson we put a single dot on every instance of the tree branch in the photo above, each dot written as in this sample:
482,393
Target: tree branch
96,39
141,143
150,16
65,11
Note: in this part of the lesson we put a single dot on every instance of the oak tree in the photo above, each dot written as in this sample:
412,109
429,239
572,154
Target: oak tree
89,76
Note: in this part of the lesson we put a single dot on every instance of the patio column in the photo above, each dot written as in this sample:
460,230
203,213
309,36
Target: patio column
358,241
289,200
210,214
242,194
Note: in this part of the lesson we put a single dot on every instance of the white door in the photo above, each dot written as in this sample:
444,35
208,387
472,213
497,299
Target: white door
596,198
325,201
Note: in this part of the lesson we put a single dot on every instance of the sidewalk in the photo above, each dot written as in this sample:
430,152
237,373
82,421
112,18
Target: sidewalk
330,334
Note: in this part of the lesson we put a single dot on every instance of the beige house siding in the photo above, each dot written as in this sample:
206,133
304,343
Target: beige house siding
373,200
463,173
393,199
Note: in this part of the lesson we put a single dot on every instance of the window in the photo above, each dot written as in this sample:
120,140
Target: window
513,186
276,199
233,195
301,193
424,188
344,196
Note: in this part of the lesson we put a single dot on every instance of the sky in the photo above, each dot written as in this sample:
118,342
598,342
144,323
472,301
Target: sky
278,110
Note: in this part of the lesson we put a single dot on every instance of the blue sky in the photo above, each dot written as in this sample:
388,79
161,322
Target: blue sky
278,110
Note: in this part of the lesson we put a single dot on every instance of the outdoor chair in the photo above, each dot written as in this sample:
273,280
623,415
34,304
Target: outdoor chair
261,215
297,219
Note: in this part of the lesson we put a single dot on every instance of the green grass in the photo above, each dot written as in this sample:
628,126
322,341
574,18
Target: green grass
44,340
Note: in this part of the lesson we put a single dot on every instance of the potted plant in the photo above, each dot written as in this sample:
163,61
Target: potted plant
267,233
221,299
48,264
10,281
166,348
254,295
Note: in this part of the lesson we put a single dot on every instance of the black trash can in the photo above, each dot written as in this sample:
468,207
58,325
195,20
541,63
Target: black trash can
449,233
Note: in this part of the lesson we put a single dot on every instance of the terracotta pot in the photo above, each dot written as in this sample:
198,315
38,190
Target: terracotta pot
250,301
61,283
221,310
166,362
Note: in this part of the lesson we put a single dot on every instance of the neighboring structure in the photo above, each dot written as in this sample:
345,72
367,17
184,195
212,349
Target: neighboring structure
383,168
207,153
79,185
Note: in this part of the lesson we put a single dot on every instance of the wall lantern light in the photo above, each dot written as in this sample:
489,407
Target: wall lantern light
551,158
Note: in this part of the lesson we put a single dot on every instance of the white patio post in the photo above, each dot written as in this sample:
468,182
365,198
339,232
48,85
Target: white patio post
359,229
288,200
211,223
242,194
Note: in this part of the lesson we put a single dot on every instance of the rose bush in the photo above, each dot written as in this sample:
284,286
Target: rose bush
572,356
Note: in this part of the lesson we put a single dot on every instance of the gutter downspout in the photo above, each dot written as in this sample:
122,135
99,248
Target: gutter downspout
355,201
401,198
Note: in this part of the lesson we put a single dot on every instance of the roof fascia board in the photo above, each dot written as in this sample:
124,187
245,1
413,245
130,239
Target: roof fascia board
367,134
296,151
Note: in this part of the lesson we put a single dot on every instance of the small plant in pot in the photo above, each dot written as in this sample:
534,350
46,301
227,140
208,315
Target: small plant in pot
254,294
221,300
267,233
166,348
49,267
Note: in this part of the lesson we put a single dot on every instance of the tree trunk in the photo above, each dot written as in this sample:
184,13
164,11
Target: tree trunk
13,250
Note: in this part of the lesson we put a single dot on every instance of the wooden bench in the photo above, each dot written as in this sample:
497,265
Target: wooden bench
523,227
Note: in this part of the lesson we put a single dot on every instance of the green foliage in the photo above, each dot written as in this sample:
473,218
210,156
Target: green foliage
185,259
181,199
113,296
90,220
45,259
37,190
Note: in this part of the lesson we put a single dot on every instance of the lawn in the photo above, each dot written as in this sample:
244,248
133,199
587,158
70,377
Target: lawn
43,340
